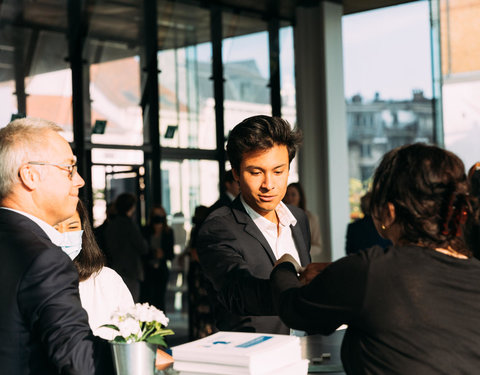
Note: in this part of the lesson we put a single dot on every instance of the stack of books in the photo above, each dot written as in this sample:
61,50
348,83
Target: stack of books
240,353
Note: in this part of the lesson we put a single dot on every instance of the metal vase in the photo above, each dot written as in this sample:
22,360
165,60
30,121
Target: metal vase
137,358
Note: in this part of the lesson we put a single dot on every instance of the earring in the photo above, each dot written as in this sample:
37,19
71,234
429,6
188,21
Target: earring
384,227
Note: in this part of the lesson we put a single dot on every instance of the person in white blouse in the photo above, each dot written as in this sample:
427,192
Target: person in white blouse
102,290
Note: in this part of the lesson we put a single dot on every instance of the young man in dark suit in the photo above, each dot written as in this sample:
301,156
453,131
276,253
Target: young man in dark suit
43,328
239,244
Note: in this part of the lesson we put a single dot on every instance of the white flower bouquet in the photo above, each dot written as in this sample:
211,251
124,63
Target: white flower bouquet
140,322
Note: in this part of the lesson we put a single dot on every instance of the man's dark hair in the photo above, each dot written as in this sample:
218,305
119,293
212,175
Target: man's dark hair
261,133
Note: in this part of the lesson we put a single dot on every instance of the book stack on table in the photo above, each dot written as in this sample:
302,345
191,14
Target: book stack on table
240,353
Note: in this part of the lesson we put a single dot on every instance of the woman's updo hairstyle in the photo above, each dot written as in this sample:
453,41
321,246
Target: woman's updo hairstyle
428,187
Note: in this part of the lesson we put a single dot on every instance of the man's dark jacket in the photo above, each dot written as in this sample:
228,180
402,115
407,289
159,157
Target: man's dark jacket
43,327
237,259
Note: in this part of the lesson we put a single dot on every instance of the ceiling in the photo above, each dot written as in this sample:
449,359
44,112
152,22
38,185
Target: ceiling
34,31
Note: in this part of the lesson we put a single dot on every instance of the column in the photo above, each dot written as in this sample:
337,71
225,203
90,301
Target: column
323,159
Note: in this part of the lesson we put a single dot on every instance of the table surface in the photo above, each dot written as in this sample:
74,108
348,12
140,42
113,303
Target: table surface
323,352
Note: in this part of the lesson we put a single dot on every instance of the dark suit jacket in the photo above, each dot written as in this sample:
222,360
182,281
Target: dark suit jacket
124,247
237,259
43,328
224,200
362,235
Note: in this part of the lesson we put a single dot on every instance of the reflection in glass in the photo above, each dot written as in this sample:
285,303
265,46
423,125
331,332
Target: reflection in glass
246,73
49,82
115,98
461,78
387,82
187,117
8,100
187,184
186,98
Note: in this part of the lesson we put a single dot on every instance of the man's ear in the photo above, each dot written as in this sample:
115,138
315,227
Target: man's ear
29,176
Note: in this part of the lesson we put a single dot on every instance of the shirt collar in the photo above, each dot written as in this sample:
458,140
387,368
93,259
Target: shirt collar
285,216
230,195
50,231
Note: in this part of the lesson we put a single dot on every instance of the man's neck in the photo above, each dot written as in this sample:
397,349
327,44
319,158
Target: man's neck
269,215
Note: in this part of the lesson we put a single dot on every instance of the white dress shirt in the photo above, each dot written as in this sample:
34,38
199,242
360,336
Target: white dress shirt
280,239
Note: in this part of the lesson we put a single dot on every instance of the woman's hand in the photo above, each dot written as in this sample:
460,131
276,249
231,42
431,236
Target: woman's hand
311,271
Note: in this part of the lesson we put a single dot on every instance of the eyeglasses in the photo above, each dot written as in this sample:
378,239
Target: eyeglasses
71,168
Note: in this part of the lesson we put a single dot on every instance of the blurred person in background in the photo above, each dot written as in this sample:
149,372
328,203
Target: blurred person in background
232,189
200,291
160,239
125,245
99,231
362,234
296,197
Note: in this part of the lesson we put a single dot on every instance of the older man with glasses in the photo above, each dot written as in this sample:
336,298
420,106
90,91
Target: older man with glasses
42,324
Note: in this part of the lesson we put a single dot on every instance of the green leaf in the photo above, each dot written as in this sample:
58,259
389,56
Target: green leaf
119,339
147,334
164,332
157,340
110,326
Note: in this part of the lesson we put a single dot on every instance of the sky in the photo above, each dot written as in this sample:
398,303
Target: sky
386,50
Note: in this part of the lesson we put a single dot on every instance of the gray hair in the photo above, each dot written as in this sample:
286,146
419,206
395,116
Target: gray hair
20,140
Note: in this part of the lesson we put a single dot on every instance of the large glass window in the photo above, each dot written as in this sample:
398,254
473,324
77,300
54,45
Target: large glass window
245,69
186,185
388,84
116,116
461,77
112,66
12,58
114,69
187,117
49,81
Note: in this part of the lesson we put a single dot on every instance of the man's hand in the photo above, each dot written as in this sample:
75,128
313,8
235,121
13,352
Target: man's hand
289,258
311,271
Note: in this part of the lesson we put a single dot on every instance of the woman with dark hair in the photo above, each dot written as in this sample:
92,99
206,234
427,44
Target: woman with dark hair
296,197
102,290
415,307
159,237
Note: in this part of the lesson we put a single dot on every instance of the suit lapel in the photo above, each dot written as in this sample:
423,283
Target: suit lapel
250,227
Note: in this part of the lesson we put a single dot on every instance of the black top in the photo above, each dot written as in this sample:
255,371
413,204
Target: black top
410,310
